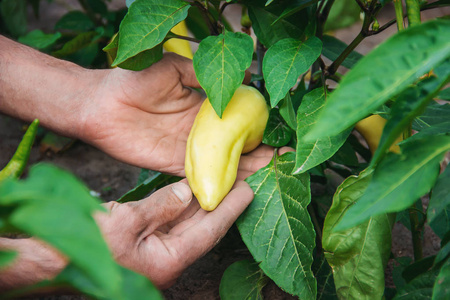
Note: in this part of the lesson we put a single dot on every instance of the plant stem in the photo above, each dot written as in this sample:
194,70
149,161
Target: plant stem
187,38
335,65
207,17
413,12
399,14
416,233
259,57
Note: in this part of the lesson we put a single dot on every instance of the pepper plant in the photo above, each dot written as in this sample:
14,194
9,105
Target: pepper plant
313,237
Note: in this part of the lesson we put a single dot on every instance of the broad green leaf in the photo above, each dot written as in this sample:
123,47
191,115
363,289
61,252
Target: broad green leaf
407,106
39,40
444,94
242,280
14,16
311,154
75,21
220,63
148,185
269,33
420,288
438,212
346,155
399,180
7,257
382,74
147,24
333,47
287,112
343,13
357,255
438,129
277,228
325,282
441,288
418,268
19,161
285,61
444,252
295,6
55,207
434,114
138,62
277,132
397,277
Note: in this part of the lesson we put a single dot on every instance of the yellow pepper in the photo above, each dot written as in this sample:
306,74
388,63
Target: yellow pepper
215,145
371,128
178,46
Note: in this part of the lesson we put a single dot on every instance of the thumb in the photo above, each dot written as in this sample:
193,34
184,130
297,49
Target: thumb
166,204
185,68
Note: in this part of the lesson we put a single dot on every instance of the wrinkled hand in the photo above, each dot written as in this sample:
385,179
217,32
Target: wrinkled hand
163,234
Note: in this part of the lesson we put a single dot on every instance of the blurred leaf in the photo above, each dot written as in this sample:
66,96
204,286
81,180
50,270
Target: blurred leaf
325,283
77,43
438,129
343,13
147,24
287,112
277,228
420,288
346,155
277,133
285,61
242,280
295,6
138,62
55,207
39,40
55,143
220,63
403,216
14,15
444,94
444,253
19,161
399,180
153,182
98,6
417,268
441,288
75,21
434,114
357,255
407,106
438,212
332,48
397,276
383,73
267,31
7,257
310,154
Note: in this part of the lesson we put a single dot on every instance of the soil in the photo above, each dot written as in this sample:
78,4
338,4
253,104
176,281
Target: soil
111,179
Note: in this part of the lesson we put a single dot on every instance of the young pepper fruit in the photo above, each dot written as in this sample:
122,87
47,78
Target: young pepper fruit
215,145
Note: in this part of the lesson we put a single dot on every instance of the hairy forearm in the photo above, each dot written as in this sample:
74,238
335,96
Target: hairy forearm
35,262
35,85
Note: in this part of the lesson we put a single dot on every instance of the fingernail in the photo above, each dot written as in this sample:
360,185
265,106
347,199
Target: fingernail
182,191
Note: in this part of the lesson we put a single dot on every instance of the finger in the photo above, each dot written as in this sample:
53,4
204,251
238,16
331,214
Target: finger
185,68
284,150
206,233
162,206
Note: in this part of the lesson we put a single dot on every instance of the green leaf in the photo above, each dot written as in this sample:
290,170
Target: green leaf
268,32
295,6
75,21
438,129
55,207
7,257
39,40
138,62
346,155
343,13
242,280
277,228
14,15
83,40
399,180
438,212
444,94
357,255
148,185
408,105
311,154
147,24
382,74
325,282
19,161
420,288
434,114
444,252
397,276
441,288
287,112
220,63
277,133
285,61
333,47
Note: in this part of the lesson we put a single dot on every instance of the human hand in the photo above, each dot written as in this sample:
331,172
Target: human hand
163,234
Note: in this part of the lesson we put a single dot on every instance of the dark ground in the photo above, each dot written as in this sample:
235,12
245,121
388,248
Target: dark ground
110,179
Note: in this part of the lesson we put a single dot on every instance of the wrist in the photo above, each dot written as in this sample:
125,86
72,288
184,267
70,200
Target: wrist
35,261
